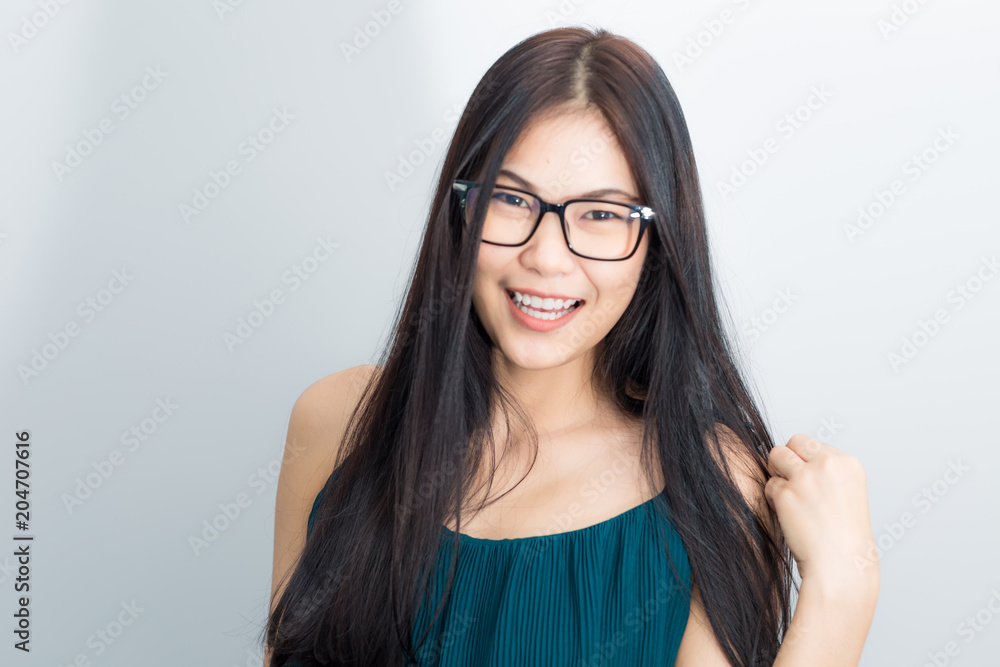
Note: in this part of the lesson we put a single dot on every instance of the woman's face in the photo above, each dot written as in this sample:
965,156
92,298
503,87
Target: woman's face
558,157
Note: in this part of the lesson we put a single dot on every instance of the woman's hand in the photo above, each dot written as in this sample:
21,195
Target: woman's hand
820,496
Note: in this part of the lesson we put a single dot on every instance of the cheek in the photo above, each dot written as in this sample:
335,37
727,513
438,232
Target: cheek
619,287
478,294
485,286
616,290
491,264
490,260
634,272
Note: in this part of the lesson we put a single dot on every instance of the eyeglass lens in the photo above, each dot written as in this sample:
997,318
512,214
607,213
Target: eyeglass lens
598,229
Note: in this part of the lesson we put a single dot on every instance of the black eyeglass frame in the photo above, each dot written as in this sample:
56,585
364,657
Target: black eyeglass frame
644,213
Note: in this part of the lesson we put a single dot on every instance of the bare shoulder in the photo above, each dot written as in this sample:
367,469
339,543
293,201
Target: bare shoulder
320,413
732,447
742,466
315,431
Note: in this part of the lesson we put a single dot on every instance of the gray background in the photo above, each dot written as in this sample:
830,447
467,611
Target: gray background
821,364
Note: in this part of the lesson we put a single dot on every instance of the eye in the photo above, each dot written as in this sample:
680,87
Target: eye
599,215
509,199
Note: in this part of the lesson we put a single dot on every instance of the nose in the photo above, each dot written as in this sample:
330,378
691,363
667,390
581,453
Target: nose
547,251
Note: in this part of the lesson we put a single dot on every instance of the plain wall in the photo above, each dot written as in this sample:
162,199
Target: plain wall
820,301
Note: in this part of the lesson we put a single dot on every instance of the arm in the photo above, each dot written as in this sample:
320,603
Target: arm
841,618
315,430
837,600
820,495
699,646
830,624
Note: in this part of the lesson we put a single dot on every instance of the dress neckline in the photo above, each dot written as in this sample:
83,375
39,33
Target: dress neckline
462,537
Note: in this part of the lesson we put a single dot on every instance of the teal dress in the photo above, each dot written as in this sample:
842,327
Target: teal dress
599,596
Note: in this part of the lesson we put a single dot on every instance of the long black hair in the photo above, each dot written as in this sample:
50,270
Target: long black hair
422,429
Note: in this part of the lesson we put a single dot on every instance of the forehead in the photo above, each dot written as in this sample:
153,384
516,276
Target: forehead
562,154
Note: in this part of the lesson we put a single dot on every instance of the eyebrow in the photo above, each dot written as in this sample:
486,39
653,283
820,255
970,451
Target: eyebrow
603,192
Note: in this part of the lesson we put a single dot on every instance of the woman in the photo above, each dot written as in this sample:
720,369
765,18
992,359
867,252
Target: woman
556,461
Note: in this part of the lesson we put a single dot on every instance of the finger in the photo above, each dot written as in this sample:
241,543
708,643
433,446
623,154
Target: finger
806,446
774,487
782,461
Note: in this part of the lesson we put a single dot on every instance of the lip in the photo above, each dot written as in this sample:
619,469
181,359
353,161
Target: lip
541,294
536,324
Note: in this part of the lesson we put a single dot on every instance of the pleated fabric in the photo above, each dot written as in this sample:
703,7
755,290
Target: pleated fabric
600,596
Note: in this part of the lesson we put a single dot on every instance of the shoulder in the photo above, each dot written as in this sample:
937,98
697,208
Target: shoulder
748,470
321,410
738,459
316,428
315,431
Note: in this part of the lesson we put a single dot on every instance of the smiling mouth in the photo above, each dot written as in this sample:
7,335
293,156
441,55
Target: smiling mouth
546,309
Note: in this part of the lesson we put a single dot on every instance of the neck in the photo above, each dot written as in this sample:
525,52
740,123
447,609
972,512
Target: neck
557,400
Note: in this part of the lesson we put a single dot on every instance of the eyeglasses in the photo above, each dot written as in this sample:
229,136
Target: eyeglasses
593,228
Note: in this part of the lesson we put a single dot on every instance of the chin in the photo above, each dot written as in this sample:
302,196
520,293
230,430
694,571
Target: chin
536,356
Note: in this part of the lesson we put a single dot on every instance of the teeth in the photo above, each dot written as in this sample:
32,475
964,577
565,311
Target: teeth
539,304
554,308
